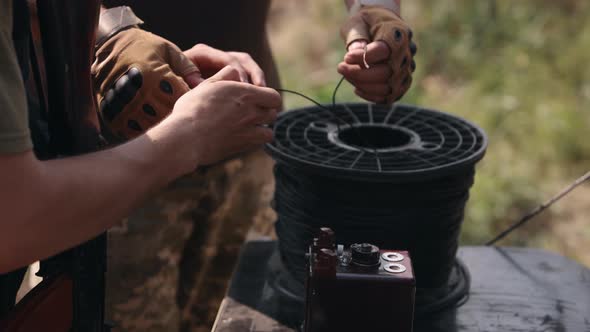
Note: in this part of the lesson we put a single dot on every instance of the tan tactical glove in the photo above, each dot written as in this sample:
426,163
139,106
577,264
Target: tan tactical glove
375,23
138,77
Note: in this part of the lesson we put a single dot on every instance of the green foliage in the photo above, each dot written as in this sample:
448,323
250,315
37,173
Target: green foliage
519,72
519,69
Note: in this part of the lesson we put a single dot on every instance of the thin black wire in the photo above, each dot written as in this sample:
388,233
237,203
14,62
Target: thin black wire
333,113
369,212
527,217
332,110
424,218
334,104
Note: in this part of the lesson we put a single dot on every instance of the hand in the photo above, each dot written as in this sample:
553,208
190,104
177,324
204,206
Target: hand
389,55
138,77
211,60
225,116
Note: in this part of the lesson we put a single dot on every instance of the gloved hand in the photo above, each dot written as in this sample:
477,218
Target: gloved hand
379,38
138,77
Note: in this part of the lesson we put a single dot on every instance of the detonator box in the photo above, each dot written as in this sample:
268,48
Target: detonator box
359,288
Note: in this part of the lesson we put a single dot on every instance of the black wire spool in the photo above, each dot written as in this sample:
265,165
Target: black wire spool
397,177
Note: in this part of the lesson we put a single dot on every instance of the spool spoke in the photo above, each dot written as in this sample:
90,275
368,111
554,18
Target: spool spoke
405,141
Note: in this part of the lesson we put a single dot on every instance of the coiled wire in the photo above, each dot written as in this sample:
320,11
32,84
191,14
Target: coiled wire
424,218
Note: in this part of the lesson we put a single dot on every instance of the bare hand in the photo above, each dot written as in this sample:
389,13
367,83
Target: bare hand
211,60
226,116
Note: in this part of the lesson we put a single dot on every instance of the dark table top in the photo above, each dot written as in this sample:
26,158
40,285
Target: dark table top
512,289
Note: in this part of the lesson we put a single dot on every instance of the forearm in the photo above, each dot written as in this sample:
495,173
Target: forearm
50,206
397,3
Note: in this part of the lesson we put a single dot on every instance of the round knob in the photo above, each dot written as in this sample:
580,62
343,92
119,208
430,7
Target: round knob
365,254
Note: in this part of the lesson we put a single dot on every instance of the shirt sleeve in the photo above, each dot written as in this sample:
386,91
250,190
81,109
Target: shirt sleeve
14,128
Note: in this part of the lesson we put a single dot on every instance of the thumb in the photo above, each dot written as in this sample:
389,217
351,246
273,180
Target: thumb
358,44
228,73
376,52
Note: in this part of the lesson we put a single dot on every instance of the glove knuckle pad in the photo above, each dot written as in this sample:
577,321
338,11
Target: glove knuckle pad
384,25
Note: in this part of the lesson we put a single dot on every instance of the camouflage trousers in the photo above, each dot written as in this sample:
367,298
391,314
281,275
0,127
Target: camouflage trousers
170,261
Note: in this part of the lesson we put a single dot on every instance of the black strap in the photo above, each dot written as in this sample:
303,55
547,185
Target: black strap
9,285
10,282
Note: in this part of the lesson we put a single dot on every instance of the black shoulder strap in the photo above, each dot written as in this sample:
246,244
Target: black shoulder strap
66,125
10,282
9,285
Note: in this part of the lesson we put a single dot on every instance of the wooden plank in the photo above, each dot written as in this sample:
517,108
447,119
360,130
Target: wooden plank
236,317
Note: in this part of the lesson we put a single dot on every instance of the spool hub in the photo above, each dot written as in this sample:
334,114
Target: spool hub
368,142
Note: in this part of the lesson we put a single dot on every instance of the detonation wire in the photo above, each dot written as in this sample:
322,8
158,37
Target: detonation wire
521,222
458,294
539,209
332,111
291,229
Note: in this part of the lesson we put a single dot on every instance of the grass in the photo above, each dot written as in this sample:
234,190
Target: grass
519,69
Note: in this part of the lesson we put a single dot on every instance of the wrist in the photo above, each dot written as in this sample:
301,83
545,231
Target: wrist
113,21
393,5
174,138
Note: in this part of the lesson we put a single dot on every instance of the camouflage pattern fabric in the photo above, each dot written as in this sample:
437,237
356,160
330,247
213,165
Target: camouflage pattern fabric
170,262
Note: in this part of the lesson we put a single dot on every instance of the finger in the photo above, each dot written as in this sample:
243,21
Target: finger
265,116
354,29
264,97
357,45
166,87
144,117
210,60
377,52
123,91
193,79
379,89
228,73
373,98
179,63
259,135
253,70
357,75
242,72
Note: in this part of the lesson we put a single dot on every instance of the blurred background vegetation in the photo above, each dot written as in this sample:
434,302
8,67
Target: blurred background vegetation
519,69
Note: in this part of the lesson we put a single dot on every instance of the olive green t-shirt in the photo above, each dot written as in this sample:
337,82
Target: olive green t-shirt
14,129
